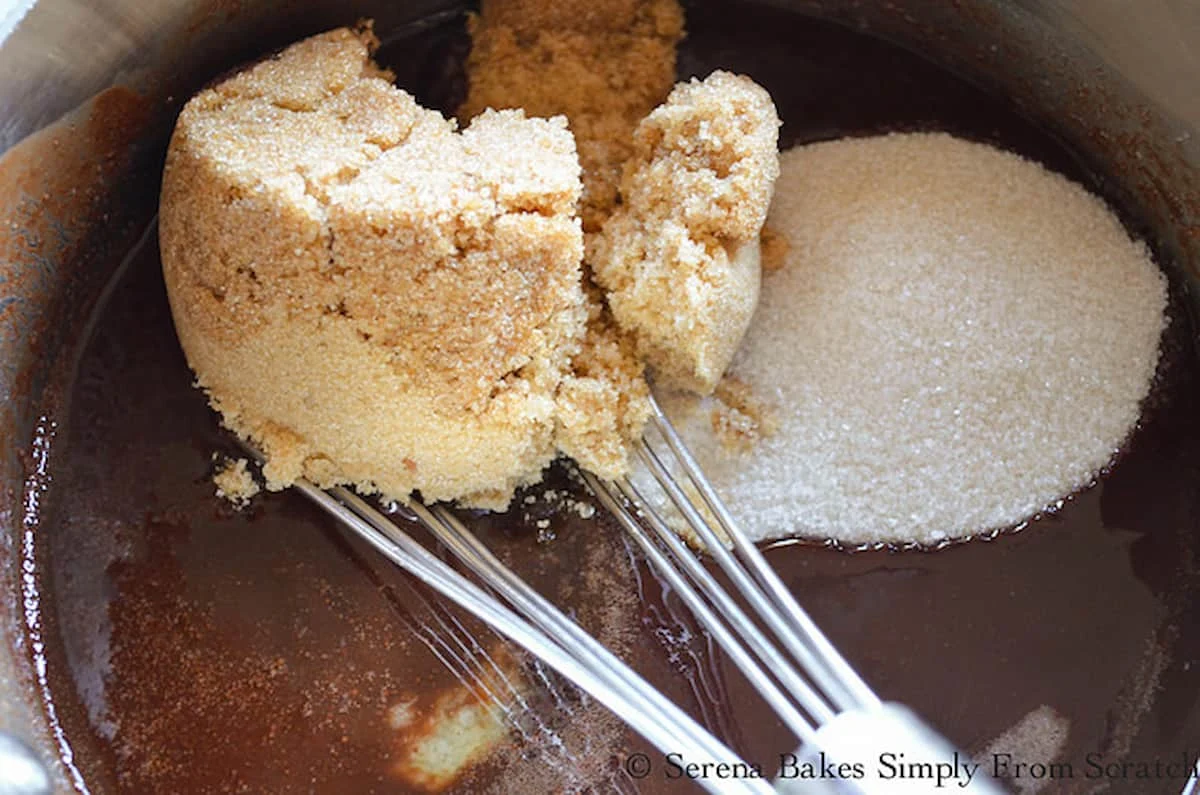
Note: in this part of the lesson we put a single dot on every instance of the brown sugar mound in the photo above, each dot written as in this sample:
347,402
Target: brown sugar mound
370,296
604,64
680,255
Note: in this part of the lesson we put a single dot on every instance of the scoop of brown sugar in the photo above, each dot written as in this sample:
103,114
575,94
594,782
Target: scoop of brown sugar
604,64
375,298
371,296
680,255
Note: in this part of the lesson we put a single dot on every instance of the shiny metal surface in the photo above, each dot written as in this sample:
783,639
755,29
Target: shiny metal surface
1117,78
1163,72
61,53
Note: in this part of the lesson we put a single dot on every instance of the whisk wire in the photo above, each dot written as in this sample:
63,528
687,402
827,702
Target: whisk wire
756,580
848,720
460,651
617,687
816,704
821,699
551,636
718,629
484,563
778,665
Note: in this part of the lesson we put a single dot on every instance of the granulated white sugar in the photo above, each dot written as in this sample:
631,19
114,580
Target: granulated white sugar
958,339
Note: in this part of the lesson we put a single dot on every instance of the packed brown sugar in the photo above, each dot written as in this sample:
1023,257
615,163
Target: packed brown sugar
679,258
404,315
604,65
440,272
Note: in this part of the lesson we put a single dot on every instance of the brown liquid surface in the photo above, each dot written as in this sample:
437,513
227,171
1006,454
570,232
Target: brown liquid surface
201,649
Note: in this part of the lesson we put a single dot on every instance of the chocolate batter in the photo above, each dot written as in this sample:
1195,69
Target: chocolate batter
198,649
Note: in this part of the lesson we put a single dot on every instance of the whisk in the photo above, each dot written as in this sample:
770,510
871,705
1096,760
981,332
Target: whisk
530,621
806,681
817,695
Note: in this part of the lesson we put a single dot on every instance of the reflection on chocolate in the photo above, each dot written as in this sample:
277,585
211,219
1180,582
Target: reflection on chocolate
202,649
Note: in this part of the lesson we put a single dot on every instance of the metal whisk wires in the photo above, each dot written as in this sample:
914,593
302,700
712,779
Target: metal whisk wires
532,622
804,679
810,686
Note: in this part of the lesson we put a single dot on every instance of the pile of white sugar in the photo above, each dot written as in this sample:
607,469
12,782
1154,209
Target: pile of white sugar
958,339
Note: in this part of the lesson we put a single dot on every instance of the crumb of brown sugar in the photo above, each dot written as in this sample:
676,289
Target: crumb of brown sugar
235,483
740,418
774,246
680,256
602,405
585,510
540,509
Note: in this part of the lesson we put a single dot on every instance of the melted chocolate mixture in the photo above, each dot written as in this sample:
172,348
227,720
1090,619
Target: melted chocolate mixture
204,649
